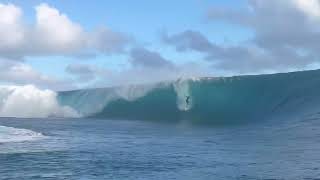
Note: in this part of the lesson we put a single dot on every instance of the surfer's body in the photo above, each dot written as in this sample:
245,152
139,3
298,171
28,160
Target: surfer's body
187,100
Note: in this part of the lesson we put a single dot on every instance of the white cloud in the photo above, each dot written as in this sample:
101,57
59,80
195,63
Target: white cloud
310,7
53,33
17,73
59,32
11,30
9,14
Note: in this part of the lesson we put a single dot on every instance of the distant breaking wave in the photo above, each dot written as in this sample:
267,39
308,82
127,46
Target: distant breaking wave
211,100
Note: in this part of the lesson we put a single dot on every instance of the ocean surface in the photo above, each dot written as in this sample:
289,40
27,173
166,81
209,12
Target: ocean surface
124,149
242,127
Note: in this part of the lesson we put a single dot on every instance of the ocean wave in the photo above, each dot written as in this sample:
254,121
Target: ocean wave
211,100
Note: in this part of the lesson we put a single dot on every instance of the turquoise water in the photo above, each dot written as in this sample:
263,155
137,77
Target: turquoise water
232,100
113,149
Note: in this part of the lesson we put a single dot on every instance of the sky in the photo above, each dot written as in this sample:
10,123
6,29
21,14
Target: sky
63,45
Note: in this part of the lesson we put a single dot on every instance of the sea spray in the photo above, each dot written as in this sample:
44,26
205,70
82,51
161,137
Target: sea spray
184,98
29,101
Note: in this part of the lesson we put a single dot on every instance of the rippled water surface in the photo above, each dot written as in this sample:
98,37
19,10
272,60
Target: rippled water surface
110,149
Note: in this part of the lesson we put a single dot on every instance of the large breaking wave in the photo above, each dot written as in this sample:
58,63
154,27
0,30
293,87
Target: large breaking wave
213,100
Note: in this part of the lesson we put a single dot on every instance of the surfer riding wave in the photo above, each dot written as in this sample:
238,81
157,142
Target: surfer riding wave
187,100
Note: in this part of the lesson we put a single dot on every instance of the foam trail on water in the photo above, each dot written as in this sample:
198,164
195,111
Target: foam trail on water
10,134
31,102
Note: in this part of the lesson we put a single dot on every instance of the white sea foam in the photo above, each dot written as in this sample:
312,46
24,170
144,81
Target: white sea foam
10,134
31,102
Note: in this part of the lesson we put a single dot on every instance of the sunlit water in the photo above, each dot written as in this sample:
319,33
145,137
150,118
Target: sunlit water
110,149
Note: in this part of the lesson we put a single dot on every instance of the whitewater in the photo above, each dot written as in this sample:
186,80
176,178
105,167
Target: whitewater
10,134
29,101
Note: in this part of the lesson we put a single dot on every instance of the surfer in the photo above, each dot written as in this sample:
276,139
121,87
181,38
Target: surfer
187,99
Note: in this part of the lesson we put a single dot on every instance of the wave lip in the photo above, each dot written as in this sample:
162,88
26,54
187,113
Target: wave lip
10,134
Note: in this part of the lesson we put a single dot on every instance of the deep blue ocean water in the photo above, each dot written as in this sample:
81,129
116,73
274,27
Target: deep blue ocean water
120,149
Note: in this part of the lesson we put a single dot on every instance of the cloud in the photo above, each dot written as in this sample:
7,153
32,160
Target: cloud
147,67
146,58
278,23
310,7
147,75
18,73
189,40
57,30
82,72
286,36
53,33
150,75
81,69
108,41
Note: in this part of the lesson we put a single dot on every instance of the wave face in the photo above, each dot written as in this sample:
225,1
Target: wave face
29,101
211,100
